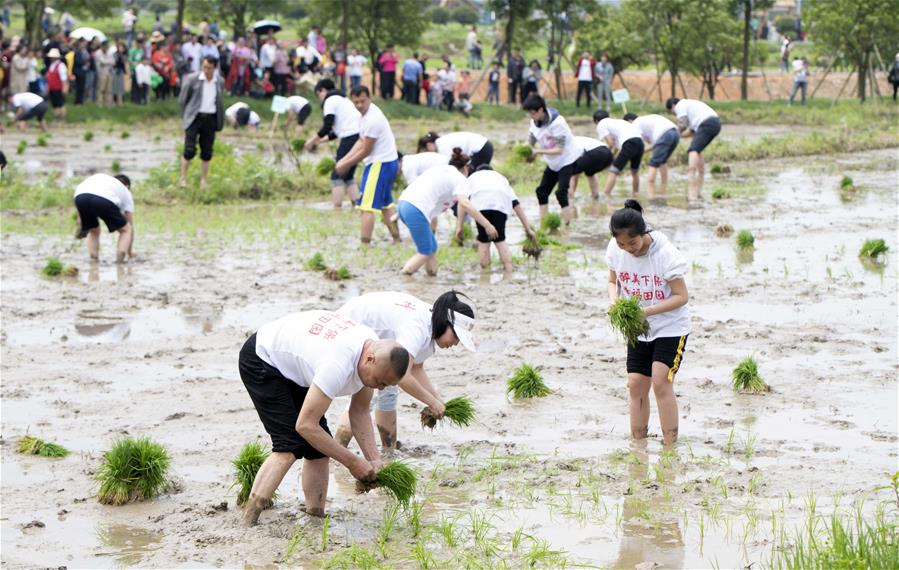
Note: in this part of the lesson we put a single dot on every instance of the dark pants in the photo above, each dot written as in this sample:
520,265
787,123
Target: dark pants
410,91
388,84
448,100
80,84
895,89
550,179
514,88
203,129
583,87
135,91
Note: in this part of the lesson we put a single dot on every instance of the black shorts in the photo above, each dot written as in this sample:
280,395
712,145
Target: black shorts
593,161
57,99
278,401
630,152
667,350
498,219
549,179
483,156
202,129
91,207
705,133
36,112
304,114
343,148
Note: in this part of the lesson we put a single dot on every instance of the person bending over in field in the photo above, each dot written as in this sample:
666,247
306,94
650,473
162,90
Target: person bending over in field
107,198
662,135
293,368
698,120
341,121
625,138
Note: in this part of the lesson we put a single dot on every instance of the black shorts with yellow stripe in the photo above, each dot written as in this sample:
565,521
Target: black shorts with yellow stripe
667,350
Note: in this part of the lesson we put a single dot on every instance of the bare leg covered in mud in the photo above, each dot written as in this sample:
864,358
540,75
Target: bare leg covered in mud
341,191
269,476
666,401
416,261
696,175
368,225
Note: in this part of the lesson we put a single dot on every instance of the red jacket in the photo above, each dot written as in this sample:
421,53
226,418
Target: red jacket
577,68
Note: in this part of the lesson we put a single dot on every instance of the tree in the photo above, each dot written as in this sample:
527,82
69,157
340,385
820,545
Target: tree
747,6
179,21
715,45
513,12
663,23
236,14
854,28
34,11
611,29
564,17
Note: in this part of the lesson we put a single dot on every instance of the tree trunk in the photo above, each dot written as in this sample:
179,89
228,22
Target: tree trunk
862,76
506,47
34,9
345,23
673,73
373,53
179,21
744,80
240,21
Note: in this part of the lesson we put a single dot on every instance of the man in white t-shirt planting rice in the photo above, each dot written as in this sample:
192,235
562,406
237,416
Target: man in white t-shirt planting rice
420,329
626,139
29,106
478,147
298,109
240,115
376,147
428,197
662,135
293,368
698,120
107,198
341,121
550,133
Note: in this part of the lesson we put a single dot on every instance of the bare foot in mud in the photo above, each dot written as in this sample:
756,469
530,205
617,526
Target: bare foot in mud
320,513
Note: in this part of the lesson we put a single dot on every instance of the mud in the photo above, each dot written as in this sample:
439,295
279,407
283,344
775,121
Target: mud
151,349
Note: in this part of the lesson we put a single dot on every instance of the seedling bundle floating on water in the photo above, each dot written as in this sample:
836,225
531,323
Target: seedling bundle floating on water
873,248
133,470
847,184
316,262
745,239
459,411
30,445
526,382
397,478
246,465
55,268
325,166
746,377
724,230
720,194
626,317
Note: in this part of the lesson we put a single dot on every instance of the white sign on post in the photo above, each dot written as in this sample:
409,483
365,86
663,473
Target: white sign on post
620,96
279,104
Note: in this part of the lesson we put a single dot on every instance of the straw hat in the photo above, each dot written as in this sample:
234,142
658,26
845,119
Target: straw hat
156,37
54,54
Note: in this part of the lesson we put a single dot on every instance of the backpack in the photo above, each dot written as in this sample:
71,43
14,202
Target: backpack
894,73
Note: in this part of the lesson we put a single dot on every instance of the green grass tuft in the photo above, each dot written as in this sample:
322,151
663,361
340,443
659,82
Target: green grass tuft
107,148
246,465
459,411
720,194
316,262
626,317
30,445
873,248
133,470
746,376
526,382
325,166
53,268
20,148
399,480
745,239
551,223
344,273
89,136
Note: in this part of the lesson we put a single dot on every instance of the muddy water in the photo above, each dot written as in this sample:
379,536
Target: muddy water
152,350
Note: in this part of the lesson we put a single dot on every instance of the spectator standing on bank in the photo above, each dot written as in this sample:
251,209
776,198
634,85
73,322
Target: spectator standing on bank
119,72
584,71
531,80
355,63
136,54
800,78
603,73
894,76
57,83
80,68
281,70
412,78
785,47
387,63
128,21
474,49
514,72
18,70
267,55
104,59
202,115
493,84
192,52
140,86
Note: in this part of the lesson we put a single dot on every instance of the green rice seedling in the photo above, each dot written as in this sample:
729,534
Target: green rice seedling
719,169
720,194
20,148
341,274
157,138
745,239
30,445
459,411
89,136
293,542
325,525
260,147
746,377
297,145
397,478
626,317
116,166
325,166
316,262
53,268
107,148
416,508
133,470
125,135
41,140
246,465
531,248
551,223
847,184
523,152
526,382
873,248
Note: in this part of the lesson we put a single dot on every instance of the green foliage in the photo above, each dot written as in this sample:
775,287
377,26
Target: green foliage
41,140
745,239
325,166
526,382
53,267
785,26
399,480
551,223
873,248
133,470
316,262
440,15
720,194
612,30
459,411
626,317
89,136
246,465
20,148
746,377
465,15
125,135
30,445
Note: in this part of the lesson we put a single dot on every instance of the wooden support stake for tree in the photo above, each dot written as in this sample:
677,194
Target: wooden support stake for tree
845,83
682,87
823,77
764,76
875,89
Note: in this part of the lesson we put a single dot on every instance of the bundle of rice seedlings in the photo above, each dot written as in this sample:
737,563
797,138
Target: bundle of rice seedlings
297,145
719,169
724,230
459,411
531,248
847,184
745,239
20,148
746,377
30,445
523,152
41,140
720,194
88,136
116,166
397,478
316,262
467,235
873,248
325,166
133,470
526,382
53,268
551,223
125,135
338,274
246,465
626,316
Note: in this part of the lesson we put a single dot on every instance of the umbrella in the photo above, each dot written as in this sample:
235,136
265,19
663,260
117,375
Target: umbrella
266,26
88,34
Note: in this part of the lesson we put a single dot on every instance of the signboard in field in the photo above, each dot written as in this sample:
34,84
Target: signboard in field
620,96
279,104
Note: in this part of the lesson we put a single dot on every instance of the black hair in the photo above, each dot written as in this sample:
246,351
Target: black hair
459,160
325,84
399,361
534,102
442,312
671,102
124,180
3,161
211,59
242,116
599,115
360,90
425,139
629,116
399,155
415,55
628,219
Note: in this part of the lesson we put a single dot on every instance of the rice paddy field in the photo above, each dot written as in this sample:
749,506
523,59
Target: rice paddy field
801,474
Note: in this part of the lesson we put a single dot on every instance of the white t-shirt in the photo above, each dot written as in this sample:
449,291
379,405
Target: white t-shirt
647,277
490,190
316,347
415,164
346,117
192,51
652,127
231,112
695,111
308,54
588,143
105,186
355,64
26,100
142,74
585,71
437,192
374,125
397,316
295,103
470,143
267,55
554,135
619,129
